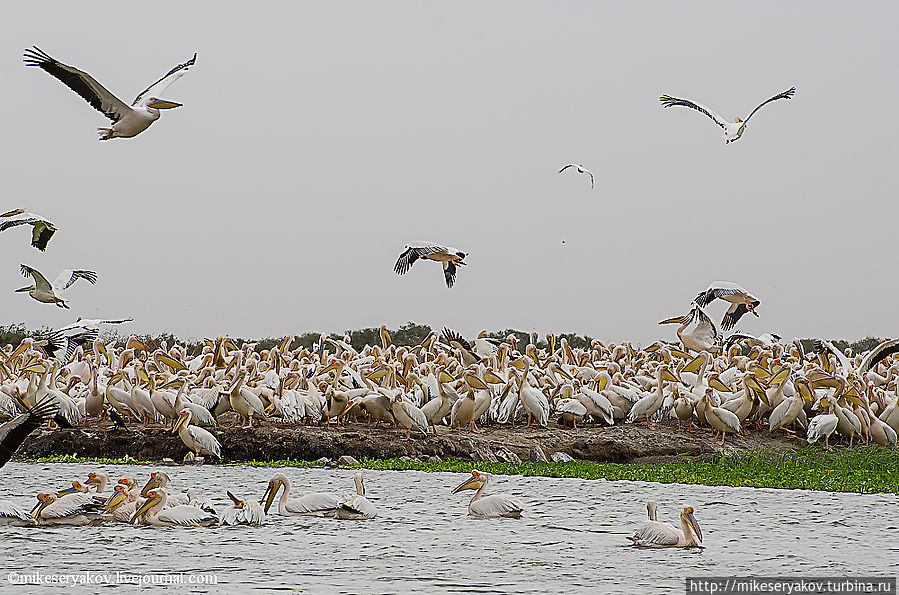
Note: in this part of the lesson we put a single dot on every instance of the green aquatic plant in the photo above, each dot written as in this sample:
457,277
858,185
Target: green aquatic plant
866,470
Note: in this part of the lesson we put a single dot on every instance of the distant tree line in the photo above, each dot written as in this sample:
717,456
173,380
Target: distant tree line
410,334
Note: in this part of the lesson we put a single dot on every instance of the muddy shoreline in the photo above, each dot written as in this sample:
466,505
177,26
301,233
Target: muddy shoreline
272,441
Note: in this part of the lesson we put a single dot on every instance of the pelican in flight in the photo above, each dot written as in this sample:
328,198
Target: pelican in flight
316,504
581,170
127,120
654,533
741,301
732,130
494,505
41,228
449,256
42,291
701,336
14,431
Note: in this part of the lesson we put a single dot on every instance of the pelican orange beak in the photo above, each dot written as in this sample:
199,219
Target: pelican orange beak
76,487
29,288
41,503
147,505
164,104
182,417
472,483
601,384
691,520
443,377
270,492
238,503
676,319
474,382
116,498
153,482
716,383
668,375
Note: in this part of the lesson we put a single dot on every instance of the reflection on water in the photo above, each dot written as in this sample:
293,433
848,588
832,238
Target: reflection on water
571,538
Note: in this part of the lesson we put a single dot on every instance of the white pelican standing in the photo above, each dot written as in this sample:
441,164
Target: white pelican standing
198,440
494,505
581,170
449,256
654,533
732,130
741,301
315,504
127,120
43,292
41,228
154,512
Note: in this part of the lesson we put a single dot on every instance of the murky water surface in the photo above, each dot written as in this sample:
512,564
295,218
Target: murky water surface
572,537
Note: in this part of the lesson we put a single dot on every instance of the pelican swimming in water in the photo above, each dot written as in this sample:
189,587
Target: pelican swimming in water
66,508
243,512
121,504
654,533
732,130
356,507
494,505
581,170
449,256
316,504
10,514
154,512
197,439
41,228
741,301
43,292
128,121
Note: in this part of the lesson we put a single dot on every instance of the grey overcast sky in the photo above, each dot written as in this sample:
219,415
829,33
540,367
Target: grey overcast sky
316,138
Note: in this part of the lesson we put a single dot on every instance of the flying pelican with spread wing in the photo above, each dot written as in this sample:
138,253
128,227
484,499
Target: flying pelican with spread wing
128,121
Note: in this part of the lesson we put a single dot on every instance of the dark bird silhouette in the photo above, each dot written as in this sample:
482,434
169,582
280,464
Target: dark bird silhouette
14,432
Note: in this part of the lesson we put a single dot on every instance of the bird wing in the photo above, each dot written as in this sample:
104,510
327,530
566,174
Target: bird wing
14,432
716,290
206,440
80,82
449,272
878,353
412,253
591,177
567,166
496,505
668,101
184,514
159,87
359,505
785,95
733,315
310,503
702,319
656,533
738,336
68,277
42,230
40,282
456,340
417,417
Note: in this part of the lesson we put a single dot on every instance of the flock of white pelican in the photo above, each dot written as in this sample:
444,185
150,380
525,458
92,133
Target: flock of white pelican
154,504
448,384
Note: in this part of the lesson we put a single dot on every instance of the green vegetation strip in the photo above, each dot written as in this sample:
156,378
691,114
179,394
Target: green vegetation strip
866,470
